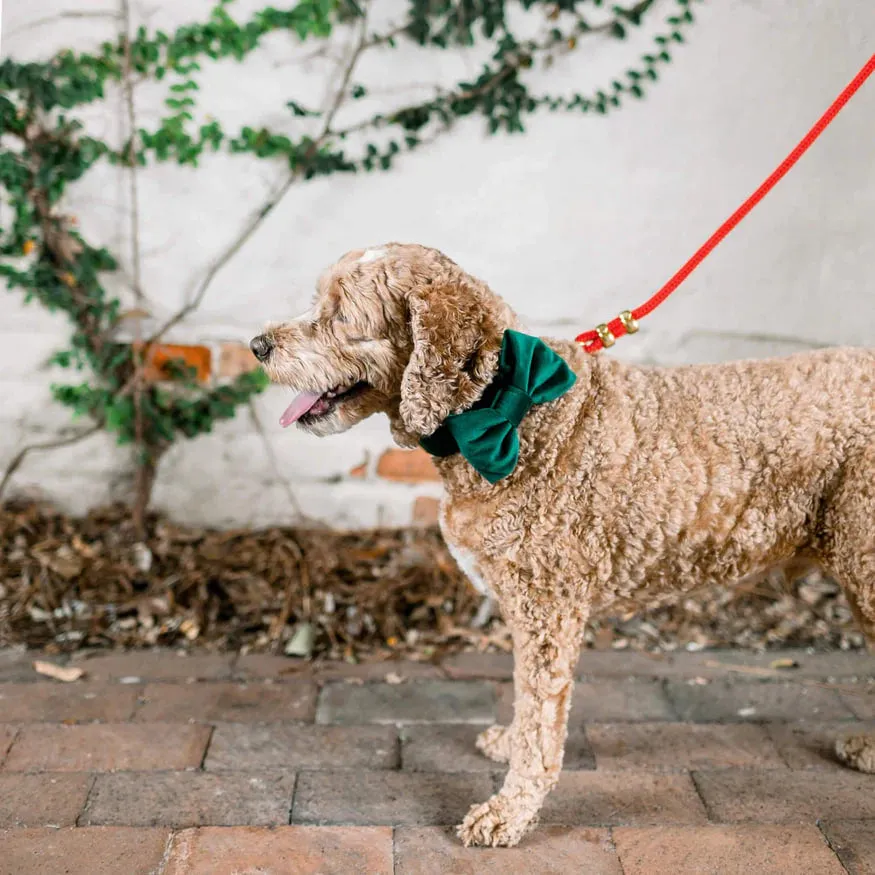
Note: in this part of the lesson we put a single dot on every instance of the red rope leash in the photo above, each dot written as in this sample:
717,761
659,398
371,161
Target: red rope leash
626,322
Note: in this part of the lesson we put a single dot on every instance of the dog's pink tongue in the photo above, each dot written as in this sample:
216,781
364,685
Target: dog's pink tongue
298,408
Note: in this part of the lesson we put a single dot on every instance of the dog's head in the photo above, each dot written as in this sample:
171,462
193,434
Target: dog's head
398,329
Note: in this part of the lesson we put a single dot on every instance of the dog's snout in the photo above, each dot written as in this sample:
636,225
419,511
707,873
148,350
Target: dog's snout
261,347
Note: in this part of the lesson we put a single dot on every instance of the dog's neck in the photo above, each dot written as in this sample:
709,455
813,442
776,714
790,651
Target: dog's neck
457,472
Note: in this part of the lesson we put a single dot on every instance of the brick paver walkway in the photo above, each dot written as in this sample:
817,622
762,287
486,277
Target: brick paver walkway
694,763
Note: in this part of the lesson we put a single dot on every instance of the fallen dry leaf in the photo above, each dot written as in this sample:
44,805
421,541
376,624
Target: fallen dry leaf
75,583
741,669
67,674
301,642
190,629
784,663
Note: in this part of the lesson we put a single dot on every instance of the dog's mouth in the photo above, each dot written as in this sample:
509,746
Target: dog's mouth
312,406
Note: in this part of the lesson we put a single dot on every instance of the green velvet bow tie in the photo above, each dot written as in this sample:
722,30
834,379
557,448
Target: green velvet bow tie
529,373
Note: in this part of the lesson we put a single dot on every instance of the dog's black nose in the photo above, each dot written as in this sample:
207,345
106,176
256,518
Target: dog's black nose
261,347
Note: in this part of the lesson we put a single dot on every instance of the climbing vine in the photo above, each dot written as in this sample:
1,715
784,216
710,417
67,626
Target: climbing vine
45,147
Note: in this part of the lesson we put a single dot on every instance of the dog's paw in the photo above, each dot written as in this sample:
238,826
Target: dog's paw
858,752
495,743
497,823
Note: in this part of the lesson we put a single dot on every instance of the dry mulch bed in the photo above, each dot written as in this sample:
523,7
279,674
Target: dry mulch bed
68,584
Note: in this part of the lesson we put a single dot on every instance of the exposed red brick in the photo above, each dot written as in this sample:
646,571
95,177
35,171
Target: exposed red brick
93,851
729,850
426,510
236,359
436,851
304,850
407,466
160,355
56,703
107,747
41,800
235,703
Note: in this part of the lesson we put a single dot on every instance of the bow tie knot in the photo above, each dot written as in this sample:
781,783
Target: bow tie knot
513,404
529,373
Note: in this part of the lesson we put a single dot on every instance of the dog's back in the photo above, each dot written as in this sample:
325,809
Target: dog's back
664,478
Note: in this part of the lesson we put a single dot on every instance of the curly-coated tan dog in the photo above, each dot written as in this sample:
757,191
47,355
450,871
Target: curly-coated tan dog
636,481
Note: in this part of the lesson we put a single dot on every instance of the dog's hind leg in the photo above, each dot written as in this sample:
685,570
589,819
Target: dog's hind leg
858,750
545,655
495,743
849,554
847,545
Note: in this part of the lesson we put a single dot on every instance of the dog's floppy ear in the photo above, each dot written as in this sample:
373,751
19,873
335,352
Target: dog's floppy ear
456,339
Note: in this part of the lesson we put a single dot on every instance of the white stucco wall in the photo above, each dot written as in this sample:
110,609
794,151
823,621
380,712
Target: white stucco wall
575,220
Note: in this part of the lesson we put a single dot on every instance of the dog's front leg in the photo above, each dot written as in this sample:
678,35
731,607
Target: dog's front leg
545,654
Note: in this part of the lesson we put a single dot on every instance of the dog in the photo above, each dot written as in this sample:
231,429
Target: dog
634,482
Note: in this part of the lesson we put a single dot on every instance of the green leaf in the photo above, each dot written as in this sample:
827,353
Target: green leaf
299,111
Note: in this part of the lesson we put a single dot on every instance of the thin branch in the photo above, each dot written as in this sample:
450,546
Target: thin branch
146,465
128,90
60,244
22,454
339,95
384,38
442,96
257,219
327,53
239,242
